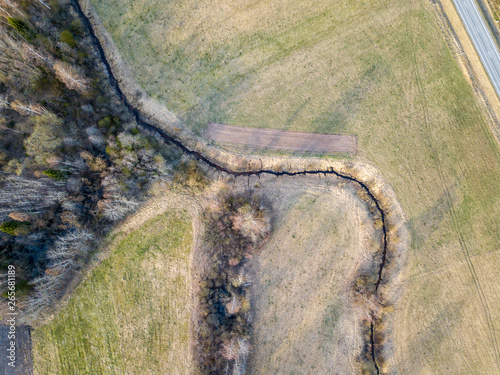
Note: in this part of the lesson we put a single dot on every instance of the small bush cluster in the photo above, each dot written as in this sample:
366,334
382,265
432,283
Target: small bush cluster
189,175
236,226
67,37
15,228
57,174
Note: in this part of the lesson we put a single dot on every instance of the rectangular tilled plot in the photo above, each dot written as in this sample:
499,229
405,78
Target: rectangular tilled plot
282,139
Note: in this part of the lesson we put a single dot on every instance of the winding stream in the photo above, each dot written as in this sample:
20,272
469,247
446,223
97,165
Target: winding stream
213,164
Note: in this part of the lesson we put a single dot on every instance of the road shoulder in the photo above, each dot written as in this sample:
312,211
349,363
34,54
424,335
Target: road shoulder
469,62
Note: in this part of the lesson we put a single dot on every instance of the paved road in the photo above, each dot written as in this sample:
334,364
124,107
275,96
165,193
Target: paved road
482,39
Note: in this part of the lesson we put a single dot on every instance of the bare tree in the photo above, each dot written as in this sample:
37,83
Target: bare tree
234,305
118,207
230,349
45,291
72,244
38,57
29,196
75,166
71,77
95,136
44,4
4,103
252,223
13,60
28,109
241,279
236,349
240,362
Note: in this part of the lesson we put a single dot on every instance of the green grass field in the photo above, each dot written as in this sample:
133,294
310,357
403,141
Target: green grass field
130,316
383,71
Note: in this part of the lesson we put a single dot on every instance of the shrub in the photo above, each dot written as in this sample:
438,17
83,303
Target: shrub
109,122
44,140
251,222
190,175
76,27
67,37
56,174
21,27
15,228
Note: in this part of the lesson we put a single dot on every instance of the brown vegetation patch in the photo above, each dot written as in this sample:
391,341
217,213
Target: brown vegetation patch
236,225
282,139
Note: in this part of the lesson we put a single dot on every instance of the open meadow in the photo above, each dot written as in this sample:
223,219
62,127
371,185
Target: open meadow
131,314
305,319
381,70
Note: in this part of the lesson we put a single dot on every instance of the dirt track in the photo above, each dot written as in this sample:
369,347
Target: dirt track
281,139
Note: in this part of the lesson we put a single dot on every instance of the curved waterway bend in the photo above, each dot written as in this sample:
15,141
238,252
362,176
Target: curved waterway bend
256,172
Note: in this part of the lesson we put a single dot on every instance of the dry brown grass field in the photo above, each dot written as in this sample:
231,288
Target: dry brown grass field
305,321
378,69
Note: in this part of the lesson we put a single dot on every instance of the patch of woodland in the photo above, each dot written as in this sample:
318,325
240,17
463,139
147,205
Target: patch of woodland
236,227
72,160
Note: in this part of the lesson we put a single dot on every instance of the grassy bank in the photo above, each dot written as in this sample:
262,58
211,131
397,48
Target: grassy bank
131,314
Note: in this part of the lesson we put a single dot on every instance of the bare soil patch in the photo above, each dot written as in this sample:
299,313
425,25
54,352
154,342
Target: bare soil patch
282,139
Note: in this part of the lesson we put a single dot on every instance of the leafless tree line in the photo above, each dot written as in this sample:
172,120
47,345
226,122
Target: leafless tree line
21,59
14,61
63,257
29,196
